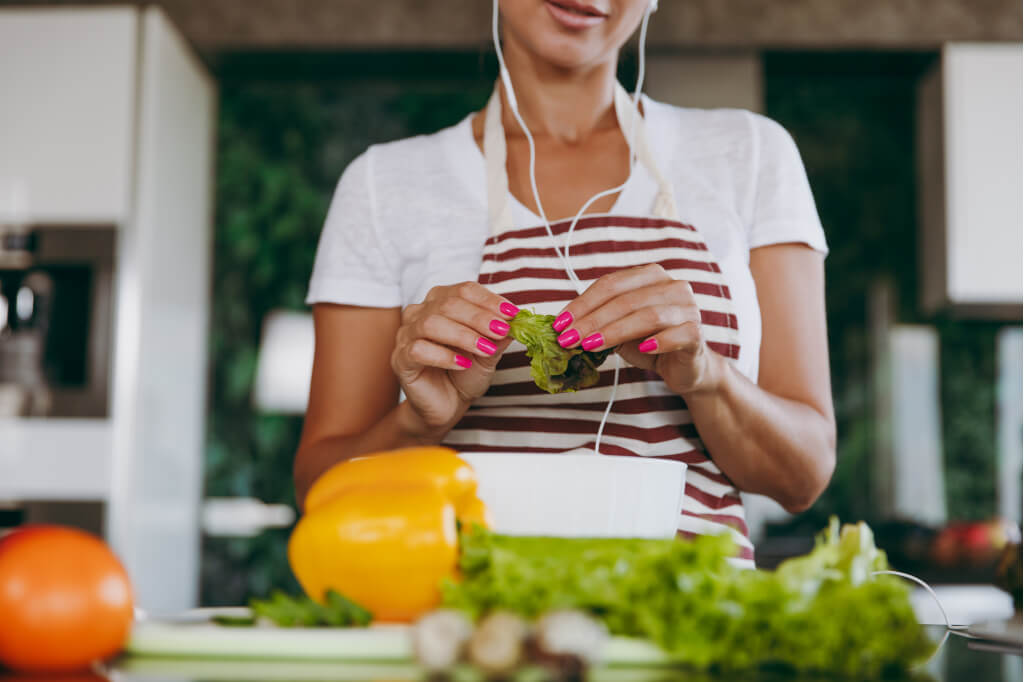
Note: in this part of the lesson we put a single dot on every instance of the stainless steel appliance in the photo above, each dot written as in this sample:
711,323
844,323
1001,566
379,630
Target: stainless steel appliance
56,288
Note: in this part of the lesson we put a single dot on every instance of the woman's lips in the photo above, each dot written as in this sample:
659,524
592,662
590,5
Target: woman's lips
571,19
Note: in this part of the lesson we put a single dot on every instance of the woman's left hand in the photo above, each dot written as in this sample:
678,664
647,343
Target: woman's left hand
652,318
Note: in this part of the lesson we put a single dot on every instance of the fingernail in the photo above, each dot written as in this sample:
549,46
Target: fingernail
486,345
592,342
648,346
500,328
508,310
569,338
562,321
463,362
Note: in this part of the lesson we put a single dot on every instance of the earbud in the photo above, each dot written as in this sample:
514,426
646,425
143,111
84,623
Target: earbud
653,7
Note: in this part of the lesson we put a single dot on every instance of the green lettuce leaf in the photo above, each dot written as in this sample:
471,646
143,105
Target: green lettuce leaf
822,612
554,369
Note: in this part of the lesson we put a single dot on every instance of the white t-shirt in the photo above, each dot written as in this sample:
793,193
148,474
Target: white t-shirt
412,214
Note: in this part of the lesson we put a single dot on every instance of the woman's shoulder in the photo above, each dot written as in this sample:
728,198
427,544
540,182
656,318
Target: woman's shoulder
426,181
411,158
714,131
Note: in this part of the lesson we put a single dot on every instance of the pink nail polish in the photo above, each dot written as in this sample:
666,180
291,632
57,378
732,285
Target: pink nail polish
486,345
648,346
593,341
463,362
508,310
562,321
569,338
500,328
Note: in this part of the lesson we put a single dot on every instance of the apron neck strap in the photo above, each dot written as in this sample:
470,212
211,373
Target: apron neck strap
499,211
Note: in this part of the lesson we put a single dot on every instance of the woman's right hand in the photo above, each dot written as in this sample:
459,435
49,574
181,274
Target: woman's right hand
447,348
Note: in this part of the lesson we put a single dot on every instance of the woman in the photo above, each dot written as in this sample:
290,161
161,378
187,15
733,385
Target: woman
705,273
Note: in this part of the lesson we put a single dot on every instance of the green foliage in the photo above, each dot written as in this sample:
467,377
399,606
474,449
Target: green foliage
555,369
968,410
853,118
271,201
825,611
855,132
281,148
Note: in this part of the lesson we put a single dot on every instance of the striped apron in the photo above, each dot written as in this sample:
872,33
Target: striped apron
647,419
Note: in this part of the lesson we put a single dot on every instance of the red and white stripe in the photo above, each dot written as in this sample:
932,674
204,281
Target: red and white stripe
646,419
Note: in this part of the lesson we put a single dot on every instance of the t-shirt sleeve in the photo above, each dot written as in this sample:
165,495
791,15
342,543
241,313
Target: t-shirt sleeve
354,265
782,206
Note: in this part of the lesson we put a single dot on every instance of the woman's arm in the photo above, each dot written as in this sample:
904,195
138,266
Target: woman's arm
353,394
442,353
776,437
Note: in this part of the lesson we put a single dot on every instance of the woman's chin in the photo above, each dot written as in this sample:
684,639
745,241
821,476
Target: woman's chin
568,54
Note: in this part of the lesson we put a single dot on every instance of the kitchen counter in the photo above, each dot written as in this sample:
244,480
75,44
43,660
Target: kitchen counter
960,660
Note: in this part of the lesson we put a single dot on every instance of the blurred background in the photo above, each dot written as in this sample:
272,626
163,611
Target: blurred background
165,169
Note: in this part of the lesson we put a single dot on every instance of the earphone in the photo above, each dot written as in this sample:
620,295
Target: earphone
563,254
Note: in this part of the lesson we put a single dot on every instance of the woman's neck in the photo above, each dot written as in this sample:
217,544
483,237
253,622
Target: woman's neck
563,104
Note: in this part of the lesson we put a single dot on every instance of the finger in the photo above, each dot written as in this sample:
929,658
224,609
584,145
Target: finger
411,359
644,323
484,298
687,337
607,288
480,319
628,351
492,361
595,330
442,329
411,311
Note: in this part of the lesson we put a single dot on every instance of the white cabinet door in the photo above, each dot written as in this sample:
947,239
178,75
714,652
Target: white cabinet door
970,175
163,293
982,105
67,93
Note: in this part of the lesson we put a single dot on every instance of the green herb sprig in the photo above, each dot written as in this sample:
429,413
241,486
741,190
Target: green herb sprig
293,612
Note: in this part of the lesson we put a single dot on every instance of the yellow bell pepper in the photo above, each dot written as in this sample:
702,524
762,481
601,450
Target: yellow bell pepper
381,529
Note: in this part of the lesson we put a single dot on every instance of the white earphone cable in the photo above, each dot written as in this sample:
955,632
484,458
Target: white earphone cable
514,106
630,143
929,590
958,630
630,139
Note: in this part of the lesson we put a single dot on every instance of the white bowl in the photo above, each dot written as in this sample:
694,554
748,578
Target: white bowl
565,495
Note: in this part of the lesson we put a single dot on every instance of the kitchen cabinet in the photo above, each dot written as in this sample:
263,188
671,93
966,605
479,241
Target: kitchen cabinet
108,120
68,82
970,175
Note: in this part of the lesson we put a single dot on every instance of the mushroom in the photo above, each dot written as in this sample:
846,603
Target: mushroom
569,642
497,645
439,639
